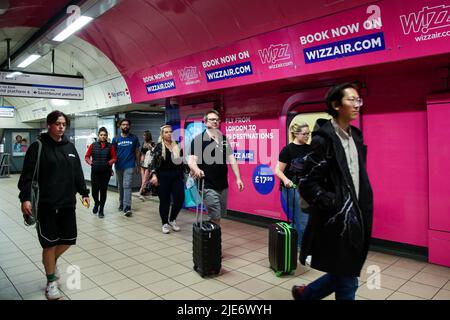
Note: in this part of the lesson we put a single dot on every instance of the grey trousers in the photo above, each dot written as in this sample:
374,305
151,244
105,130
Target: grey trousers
124,182
216,203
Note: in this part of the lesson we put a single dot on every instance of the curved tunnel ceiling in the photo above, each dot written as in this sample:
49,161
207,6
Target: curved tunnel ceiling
22,18
138,34
30,13
74,57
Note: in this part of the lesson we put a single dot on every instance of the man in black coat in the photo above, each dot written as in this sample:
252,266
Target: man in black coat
60,177
335,183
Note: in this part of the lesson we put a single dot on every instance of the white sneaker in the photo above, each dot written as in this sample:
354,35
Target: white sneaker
308,260
165,228
174,225
52,291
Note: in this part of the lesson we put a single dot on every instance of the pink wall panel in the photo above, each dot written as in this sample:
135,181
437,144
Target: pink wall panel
395,130
439,168
439,250
398,170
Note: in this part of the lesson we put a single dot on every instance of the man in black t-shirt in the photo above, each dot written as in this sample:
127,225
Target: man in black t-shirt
209,154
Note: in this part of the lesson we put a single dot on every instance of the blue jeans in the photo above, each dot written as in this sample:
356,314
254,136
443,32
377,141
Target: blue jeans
299,217
344,287
124,182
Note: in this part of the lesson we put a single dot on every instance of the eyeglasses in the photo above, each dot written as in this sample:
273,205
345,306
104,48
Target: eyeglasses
214,119
357,102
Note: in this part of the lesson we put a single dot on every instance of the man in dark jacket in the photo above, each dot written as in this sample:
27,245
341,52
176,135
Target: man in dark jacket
60,178
335,183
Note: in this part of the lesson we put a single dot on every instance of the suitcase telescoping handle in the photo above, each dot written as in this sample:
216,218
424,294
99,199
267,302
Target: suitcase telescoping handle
288,190
201,190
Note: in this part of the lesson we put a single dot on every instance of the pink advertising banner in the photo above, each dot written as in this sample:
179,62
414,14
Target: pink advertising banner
256,145
384,31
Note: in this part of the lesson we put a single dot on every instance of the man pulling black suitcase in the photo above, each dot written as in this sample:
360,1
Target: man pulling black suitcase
207,241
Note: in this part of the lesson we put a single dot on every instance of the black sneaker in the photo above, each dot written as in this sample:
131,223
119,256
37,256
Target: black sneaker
95,209
120,208
101,215
127,212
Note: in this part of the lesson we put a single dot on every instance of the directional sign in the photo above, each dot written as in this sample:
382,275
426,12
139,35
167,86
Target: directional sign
34,85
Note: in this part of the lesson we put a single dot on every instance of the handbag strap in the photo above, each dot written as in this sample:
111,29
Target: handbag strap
38,160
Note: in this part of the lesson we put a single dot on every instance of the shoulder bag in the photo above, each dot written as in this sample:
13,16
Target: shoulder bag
31,219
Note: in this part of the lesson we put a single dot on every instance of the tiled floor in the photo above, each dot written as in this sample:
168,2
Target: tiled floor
130,258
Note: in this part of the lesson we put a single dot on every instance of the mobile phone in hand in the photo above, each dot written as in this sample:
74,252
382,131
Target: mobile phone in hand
84,202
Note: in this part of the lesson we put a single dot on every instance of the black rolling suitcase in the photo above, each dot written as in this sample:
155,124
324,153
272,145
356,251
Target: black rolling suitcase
283,245
207,242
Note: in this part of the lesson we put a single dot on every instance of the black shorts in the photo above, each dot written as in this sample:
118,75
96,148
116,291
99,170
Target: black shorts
56,227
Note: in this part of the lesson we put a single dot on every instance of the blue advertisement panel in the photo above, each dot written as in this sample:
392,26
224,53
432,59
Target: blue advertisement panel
161,86
228,72
345,48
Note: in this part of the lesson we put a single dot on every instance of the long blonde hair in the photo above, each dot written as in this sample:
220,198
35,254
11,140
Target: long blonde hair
175,147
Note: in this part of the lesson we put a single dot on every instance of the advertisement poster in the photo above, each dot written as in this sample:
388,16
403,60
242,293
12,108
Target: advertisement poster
6,112
255,141
20,143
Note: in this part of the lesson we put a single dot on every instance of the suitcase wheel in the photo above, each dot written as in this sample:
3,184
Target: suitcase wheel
292,272
278,273
195,268
217,272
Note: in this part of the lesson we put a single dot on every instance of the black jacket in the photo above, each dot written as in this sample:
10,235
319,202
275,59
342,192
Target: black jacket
159,164
340,225
60,176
